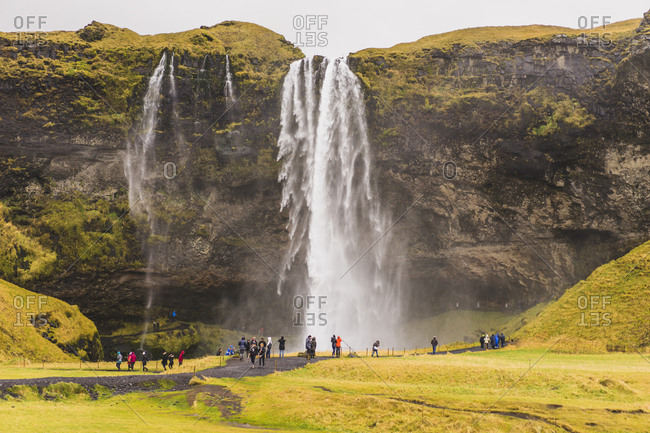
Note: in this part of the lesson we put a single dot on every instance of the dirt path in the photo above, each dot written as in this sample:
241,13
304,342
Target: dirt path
131,382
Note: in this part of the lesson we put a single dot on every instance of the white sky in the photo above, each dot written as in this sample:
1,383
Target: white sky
351,25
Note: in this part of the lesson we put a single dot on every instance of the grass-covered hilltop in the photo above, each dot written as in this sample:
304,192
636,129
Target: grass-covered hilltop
609,311
39,328
526,146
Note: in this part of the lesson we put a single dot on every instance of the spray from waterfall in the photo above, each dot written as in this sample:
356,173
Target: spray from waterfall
334,209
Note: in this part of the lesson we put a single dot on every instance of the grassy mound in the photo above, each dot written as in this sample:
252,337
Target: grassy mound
41,328
607,311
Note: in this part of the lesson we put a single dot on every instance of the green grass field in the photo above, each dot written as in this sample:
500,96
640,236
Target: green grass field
514,389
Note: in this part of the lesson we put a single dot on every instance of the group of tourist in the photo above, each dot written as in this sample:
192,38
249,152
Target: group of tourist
131,359
493,341
261,350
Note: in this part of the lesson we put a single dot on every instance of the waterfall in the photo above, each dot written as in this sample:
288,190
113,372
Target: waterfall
139,166
334,208
228,89
140,149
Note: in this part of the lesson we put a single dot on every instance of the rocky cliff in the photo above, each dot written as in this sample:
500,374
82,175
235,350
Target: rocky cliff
522,151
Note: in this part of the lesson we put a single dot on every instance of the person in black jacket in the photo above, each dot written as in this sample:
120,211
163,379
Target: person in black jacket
252,353
281,344
164,361
434,344
144,359
333,340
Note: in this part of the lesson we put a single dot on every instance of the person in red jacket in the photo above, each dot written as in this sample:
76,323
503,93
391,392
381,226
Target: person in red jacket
132,359
180,358
338,346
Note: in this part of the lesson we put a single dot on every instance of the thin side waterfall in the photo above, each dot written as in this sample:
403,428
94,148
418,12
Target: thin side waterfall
335,215
139,150
228,90
178,136
139,168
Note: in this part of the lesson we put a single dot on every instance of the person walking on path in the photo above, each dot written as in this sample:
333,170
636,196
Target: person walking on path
252,353
375,349
171,361
181,357
132,360
242,348
118,364
164,361
434,344
338,346
281,343
308,346
503,339
333,340
144,360
262,354
269,344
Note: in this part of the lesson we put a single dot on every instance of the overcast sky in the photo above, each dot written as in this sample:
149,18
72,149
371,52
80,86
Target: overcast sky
345,25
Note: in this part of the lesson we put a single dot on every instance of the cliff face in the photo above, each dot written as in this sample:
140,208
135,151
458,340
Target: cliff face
547,131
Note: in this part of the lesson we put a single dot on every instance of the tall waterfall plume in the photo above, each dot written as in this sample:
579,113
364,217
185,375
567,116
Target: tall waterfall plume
337,225
140,168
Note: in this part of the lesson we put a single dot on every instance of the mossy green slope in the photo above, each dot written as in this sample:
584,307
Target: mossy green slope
43,328
610,310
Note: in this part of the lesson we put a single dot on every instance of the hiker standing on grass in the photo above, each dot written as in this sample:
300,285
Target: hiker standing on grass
118,364
338,346
333,340
482,341
171,361
375,349
313,347
487,341
144,360
503,340
269,344
262,353
252,352
181,356
434,344
281,343
164,361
